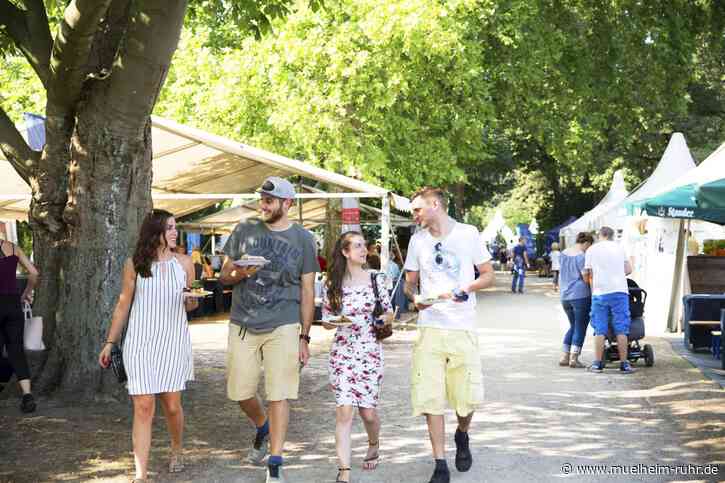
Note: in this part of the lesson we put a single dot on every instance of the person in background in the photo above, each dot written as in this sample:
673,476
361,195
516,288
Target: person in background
355,365
180,249
12,322
152,300
521,264
555,257
605,268
576,299
693,247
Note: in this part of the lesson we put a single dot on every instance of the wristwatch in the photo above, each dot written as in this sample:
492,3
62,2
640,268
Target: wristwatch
305,337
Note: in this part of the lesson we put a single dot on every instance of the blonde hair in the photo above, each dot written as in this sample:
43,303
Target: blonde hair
196,256
554,246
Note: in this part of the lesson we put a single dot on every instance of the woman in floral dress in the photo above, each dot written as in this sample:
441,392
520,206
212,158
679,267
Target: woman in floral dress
356,357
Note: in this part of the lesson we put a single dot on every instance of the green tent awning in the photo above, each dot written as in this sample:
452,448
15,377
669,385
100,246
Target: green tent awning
698,195
711,195
683,202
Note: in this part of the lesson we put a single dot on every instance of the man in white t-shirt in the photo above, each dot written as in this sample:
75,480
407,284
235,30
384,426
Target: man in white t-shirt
446,359
605,269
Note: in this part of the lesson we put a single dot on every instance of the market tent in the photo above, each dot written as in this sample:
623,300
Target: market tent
188,162
313,214
681,202
493,227
601,214
552,235
193,169
698,195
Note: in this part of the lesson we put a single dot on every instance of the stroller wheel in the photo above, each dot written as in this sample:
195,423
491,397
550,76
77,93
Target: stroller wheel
649,355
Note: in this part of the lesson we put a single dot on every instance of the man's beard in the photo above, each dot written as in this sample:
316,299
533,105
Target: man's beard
273,216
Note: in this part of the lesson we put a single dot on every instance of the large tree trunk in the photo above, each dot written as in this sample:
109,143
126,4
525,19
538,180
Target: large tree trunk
92,185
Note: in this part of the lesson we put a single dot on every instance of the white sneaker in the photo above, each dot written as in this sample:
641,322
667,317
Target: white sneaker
259,450
275,478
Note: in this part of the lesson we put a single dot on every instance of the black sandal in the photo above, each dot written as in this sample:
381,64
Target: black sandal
339,472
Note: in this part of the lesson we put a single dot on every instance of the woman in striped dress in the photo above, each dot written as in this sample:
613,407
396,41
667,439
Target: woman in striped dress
157,349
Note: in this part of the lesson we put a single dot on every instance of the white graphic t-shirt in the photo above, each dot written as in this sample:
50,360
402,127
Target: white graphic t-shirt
446,264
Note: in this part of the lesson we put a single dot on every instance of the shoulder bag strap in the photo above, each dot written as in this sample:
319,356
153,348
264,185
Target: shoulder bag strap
375,286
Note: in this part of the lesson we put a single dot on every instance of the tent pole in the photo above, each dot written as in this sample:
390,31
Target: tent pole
385,233
673,312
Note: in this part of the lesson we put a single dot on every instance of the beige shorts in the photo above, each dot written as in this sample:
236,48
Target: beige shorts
276,352
446,367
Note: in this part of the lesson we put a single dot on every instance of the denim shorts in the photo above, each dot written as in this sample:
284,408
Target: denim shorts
614,305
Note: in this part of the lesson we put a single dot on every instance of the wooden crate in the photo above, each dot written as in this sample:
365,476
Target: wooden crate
707,274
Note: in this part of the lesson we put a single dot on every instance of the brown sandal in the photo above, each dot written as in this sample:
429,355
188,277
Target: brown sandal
339,472
371,463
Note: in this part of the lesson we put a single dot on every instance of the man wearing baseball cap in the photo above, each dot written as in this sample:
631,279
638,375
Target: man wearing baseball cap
272,312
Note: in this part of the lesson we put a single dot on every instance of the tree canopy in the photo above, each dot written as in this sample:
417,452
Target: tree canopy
474,94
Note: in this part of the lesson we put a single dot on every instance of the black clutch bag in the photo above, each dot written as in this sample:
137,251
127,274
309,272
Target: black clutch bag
117,364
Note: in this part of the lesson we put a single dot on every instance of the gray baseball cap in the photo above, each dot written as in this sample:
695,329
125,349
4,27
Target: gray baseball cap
277,187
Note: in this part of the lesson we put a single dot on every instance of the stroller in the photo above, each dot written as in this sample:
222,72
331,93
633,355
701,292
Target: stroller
635,352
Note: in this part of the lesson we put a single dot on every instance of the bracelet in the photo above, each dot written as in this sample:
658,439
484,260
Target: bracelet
305,337
110,342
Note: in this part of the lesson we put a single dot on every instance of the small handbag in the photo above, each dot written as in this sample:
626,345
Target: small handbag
117,354
381,331
117,364
33,332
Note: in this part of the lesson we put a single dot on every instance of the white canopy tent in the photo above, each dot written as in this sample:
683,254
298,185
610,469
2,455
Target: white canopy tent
193,169
651,243
671,239
592,219
495,226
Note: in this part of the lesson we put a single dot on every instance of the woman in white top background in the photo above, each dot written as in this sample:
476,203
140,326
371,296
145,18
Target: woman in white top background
555,256
157,348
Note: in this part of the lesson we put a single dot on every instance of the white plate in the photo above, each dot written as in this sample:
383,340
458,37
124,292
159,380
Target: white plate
429,301
197,295
338,321
250,263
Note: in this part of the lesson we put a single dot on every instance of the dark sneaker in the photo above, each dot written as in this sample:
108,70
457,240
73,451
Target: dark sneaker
259,449
464,459
275,474
441,476
596,367
27,405
626,368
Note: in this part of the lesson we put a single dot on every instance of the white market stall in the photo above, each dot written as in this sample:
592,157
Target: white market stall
592,219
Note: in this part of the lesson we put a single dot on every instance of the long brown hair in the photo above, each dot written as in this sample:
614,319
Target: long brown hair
336,270
149,241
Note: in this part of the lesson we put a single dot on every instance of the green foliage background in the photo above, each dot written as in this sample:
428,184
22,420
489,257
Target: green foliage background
527,105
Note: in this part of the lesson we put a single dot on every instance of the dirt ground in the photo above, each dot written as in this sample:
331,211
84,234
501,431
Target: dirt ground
537,416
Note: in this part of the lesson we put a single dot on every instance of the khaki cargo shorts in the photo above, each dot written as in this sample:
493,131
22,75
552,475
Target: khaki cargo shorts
276,353
446,367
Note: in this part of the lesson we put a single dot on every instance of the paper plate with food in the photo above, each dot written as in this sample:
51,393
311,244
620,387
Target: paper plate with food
196,290
428,299
337,320
251,261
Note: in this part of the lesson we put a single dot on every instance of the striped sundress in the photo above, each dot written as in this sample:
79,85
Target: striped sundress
157,349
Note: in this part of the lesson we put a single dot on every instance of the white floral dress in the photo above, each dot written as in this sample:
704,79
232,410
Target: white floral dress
355,366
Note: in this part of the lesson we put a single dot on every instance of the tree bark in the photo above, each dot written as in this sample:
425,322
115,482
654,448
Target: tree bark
94,185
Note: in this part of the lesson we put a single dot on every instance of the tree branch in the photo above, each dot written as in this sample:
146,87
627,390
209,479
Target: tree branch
71,49
142,64
30,32
15,149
